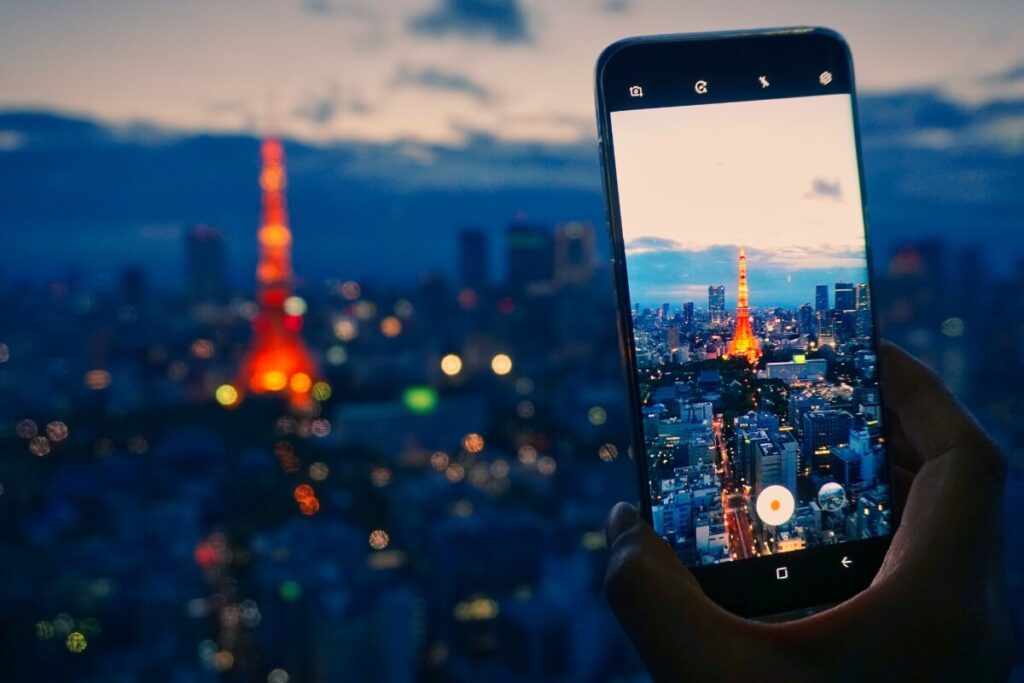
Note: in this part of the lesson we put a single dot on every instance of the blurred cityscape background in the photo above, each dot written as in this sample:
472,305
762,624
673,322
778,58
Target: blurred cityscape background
430,503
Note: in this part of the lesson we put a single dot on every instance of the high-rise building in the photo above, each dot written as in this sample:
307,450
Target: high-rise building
821,298
823,429
805,317
473,259
530,256
575,253
665,308
845,300
743,342
716,304
688,314
862,320
672,338
206,264
277,361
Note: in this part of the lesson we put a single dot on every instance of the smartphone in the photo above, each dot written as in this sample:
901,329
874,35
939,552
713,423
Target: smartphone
740,256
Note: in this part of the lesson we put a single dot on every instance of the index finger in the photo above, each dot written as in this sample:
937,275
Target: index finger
932,419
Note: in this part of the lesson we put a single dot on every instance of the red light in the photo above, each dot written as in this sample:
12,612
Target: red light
506,305
205,555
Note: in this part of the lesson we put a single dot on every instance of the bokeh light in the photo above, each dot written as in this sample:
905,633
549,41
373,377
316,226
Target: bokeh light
607,452
226,395
295,305
391,326
57,431
98,379
501,364
76,642
319,471
421,400
321,391
451,365
473,442
379,539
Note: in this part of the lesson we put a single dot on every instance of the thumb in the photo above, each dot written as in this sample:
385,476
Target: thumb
659,602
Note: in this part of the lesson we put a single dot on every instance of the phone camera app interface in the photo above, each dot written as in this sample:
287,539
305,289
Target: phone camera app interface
756,358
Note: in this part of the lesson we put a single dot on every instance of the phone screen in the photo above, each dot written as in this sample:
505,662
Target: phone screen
745,255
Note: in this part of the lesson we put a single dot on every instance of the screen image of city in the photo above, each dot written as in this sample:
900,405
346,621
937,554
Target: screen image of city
752,326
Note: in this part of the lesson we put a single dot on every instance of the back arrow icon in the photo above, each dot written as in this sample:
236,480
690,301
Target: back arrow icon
846,562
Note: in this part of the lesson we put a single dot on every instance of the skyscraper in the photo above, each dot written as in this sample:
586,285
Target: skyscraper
473,259
743,342
688,314
862,323
530,254
206,265
821,298
844,296
575,253
805,316
716,304
823,429
278,361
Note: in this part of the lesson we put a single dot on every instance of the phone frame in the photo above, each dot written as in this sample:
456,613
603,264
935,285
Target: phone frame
818,576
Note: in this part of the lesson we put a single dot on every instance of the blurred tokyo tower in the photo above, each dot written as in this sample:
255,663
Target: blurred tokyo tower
743,342
278,360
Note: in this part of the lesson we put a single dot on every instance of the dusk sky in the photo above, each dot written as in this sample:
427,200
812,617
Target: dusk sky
437,70
408,120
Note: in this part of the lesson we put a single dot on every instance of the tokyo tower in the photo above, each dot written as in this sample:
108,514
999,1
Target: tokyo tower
743,342
278,360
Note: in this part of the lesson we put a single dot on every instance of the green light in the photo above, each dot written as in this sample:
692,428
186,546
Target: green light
799,358
420,400
290,590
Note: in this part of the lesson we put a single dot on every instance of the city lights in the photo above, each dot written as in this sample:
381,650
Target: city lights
473,443
501,364
290,590
379,539
451,364
76,642
321,391
226,395
97,380
295,305
391,326
476,609
345,329
420,400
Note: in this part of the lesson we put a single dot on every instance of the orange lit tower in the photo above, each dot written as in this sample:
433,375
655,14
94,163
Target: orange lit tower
743,342
278,361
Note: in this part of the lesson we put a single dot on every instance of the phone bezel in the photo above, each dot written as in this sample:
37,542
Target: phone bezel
818,577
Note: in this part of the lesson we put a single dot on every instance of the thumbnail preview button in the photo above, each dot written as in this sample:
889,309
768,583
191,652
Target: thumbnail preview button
775,505
781,573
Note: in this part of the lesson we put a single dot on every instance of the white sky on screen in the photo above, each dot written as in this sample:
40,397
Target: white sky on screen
777,176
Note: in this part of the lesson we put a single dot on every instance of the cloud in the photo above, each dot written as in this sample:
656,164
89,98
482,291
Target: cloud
433,78
822,188
323,108
349,9
641,245
1015,74
616,6
500,20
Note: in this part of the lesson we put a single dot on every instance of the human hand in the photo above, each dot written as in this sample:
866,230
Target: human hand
935,611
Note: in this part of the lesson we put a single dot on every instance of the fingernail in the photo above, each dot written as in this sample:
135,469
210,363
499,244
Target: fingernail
622,518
